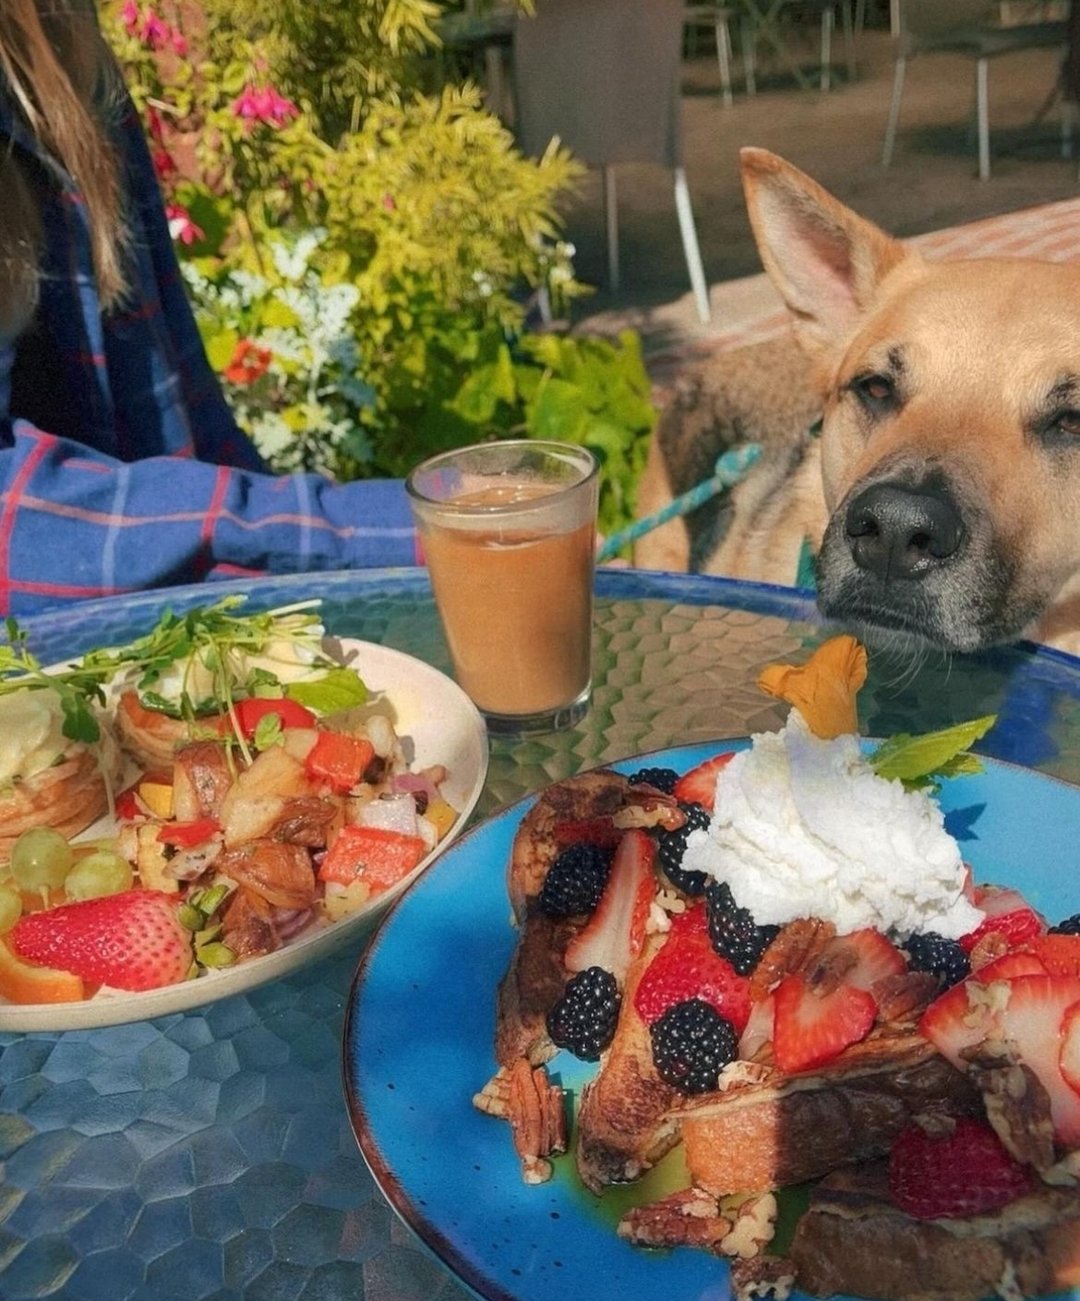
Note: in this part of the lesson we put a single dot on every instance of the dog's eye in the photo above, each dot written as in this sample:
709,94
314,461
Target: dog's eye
875,391
1068,423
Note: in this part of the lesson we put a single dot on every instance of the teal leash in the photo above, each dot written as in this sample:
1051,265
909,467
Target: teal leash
728,471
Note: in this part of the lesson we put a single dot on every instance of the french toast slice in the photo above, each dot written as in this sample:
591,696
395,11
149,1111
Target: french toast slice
623,1124
536,976
767,1130
853,1240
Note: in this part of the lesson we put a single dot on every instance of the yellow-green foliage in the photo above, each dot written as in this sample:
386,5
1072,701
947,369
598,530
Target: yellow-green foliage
371,242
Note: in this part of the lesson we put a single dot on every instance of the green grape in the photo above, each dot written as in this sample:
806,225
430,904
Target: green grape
40,860
98,874
10,908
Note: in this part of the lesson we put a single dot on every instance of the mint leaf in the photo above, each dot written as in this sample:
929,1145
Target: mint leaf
915,759
338,690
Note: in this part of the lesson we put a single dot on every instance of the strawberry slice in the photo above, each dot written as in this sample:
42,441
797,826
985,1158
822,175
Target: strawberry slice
1010,965
810,1029
1069,1055
967,1171
759,1027
133,940
1007,913
698,786
686,967
875,958
600,831
961,1018
1033,1020
615,932
1059,954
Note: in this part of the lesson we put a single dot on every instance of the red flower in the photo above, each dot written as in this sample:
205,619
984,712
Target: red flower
264,104
247,363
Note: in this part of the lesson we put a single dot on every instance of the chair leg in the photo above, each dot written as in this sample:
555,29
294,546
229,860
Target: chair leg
723,55
1068,126
894,111
849,26
611,219
690,246
747,38
982,111
828,15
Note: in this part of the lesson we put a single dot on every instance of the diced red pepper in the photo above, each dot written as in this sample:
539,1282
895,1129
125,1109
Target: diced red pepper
372,854
127,805
250,713
339,760
185,835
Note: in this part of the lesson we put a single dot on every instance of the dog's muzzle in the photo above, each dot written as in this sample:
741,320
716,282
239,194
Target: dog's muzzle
900,532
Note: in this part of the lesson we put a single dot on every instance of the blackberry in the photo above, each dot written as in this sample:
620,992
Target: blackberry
583,1020
663,779
671,845
732,930
575,880
691,1043
1070,926
943,958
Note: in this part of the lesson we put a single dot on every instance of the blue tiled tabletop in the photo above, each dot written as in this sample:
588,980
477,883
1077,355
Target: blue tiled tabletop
209,1154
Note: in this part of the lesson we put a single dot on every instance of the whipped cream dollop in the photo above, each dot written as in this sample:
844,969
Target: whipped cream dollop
804,827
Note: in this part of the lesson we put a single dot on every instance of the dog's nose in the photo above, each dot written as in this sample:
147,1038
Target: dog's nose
900,532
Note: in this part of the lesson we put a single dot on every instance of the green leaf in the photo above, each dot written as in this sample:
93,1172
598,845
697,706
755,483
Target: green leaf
914,758
340,689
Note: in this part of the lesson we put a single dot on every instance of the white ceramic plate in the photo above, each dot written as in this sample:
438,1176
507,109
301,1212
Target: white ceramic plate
438,724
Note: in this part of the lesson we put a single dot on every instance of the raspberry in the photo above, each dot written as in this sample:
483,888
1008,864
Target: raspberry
575,880
966,1171
663,779
943,958
685,968
733,932
671,845
584,1019
691,1044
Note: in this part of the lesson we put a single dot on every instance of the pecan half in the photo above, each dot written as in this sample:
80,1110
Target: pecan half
795,948
688,1218
1017,1104
904,997
537,1119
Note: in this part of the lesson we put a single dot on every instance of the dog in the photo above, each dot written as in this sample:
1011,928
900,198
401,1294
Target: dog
941,497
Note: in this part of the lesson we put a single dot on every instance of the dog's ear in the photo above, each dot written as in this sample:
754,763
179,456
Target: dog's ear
826,261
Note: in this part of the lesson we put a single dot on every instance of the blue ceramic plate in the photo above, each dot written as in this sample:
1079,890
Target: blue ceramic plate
418,1045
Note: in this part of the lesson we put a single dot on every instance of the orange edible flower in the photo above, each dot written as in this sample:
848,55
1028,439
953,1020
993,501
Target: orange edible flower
823,689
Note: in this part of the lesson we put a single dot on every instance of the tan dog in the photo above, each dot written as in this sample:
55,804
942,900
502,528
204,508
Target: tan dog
943,496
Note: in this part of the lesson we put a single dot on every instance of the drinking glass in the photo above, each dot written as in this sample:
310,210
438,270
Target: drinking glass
508,531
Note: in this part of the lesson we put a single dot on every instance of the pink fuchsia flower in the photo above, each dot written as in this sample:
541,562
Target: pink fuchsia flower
129,16
247,363
156,32
181,226
264,104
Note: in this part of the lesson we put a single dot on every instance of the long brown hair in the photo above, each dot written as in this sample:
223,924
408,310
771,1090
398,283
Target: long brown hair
58,69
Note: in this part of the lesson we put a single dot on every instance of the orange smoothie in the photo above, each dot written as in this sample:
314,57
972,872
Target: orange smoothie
515,601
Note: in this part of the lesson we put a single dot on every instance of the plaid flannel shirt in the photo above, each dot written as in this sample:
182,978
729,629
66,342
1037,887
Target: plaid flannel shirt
121,467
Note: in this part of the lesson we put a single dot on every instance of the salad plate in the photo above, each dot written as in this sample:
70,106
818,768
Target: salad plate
419,1039
437,724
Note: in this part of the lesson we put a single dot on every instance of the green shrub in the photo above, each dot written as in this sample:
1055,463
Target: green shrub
361,245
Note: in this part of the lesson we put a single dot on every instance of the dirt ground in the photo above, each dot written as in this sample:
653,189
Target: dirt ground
837,138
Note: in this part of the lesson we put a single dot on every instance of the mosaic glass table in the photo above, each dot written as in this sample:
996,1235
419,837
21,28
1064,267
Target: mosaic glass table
209,1153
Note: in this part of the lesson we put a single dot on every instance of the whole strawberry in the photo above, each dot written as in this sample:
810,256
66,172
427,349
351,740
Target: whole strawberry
687,968
131,941
966,1171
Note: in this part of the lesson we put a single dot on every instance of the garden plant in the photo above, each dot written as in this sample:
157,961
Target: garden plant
363,242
